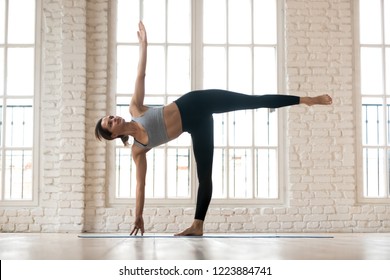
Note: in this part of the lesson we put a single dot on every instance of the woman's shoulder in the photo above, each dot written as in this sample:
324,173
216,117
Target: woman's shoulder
138,111
137,151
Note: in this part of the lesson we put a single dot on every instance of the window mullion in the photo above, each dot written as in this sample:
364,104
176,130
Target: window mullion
196,72
6,10
166,152
4,103
386,156
197,45
385,107
228,115
384,102
385,147
253,148
141,9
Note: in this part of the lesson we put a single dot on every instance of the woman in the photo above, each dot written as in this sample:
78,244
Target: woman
191,113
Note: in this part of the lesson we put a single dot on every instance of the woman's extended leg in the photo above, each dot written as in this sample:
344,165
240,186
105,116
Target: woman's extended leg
198,104
203,145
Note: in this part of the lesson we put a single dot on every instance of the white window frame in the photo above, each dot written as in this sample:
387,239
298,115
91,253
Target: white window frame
197,78
36,116
361,197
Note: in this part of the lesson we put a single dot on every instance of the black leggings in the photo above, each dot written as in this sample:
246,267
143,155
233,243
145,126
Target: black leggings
196,109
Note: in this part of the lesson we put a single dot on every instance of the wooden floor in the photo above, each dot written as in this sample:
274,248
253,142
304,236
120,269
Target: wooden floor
299,247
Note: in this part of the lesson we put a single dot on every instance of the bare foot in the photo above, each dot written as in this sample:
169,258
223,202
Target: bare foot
318,100
196,229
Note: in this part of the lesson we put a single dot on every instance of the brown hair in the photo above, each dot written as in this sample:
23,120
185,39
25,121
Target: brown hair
100,133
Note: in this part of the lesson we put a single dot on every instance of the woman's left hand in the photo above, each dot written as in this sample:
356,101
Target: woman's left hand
142,38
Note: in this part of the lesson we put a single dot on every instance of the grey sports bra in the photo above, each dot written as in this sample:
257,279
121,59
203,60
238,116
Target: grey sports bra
153,122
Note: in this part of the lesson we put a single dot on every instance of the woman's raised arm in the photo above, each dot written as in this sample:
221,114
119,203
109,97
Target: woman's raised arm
137,102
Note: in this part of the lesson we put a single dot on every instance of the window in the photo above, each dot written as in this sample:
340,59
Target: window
375,96
17,91
227,44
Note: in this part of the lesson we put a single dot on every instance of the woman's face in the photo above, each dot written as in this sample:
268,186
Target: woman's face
115,125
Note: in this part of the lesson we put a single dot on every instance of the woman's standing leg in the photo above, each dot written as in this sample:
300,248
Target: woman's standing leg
203,146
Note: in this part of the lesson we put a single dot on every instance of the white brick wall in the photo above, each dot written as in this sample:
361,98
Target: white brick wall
322,177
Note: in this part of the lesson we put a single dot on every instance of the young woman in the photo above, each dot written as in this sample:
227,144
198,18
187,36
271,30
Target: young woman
192,113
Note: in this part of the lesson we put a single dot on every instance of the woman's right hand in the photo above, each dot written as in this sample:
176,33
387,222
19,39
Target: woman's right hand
138,226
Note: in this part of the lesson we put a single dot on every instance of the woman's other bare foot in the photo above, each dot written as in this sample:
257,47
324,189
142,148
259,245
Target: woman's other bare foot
196,229
318,100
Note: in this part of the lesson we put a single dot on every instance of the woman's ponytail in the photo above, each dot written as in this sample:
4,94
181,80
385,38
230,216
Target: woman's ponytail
125,140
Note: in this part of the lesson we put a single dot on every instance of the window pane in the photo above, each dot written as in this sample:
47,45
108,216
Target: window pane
266,173
240,25
214,67
20,79
240,128
387,71
154,100
240,173
19,126
122,104
155,177
371,71
2,22
214,21
155,74
125,174
18,175
179,20
370,22
220,129
179,74
387,20
240,69
21,22
264,22
122,109
154,17
127,16
372,121
183,140
126,68
266,132
265,72
374,177
178,172
219,174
